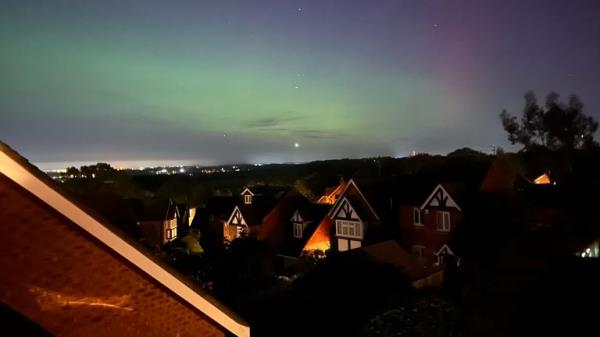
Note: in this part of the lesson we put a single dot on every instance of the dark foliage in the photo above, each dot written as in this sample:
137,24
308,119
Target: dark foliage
336,298
555,126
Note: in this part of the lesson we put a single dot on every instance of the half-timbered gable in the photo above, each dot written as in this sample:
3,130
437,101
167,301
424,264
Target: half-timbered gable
235,226
351,217
349,228
440,198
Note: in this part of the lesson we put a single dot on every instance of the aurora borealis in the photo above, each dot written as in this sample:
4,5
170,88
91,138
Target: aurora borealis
275,81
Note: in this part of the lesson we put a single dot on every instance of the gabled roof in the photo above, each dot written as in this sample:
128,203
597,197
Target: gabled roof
272,229
353,193
320,237
440,198
276,226
220,205
268,191
246,191
255,212
312,215
235,211
31,179
444,249
502,175
153,209
262,203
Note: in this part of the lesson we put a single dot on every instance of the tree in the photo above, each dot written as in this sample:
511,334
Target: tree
556,126
102,170
73,172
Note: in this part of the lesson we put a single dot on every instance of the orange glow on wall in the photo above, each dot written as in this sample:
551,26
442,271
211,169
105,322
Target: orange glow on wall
544,179
320,238
330,197
54,300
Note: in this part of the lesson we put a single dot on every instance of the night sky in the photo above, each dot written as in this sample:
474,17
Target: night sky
221,81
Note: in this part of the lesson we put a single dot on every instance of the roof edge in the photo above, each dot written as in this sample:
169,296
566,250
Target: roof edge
28,176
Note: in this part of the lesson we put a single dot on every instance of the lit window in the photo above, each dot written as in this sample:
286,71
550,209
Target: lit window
171,230
355,244
342,245
352,229
417,217
442,221
247,199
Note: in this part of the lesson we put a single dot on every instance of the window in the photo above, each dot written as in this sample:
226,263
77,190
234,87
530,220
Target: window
171,229
351,229
418,251
342,245
298,229
247,199
417,217
355,244
442,221
345,244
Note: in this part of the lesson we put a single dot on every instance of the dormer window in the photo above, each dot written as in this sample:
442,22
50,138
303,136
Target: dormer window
298,230
247,199
417,217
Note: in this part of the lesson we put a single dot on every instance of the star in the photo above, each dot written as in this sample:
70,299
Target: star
296,145
435,25
299,9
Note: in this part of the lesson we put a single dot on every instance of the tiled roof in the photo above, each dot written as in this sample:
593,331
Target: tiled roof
90,225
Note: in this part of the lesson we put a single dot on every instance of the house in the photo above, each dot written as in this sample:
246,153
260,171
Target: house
158,220
73,274
209,220
428,218
185,215
247,215
349,224
290,223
